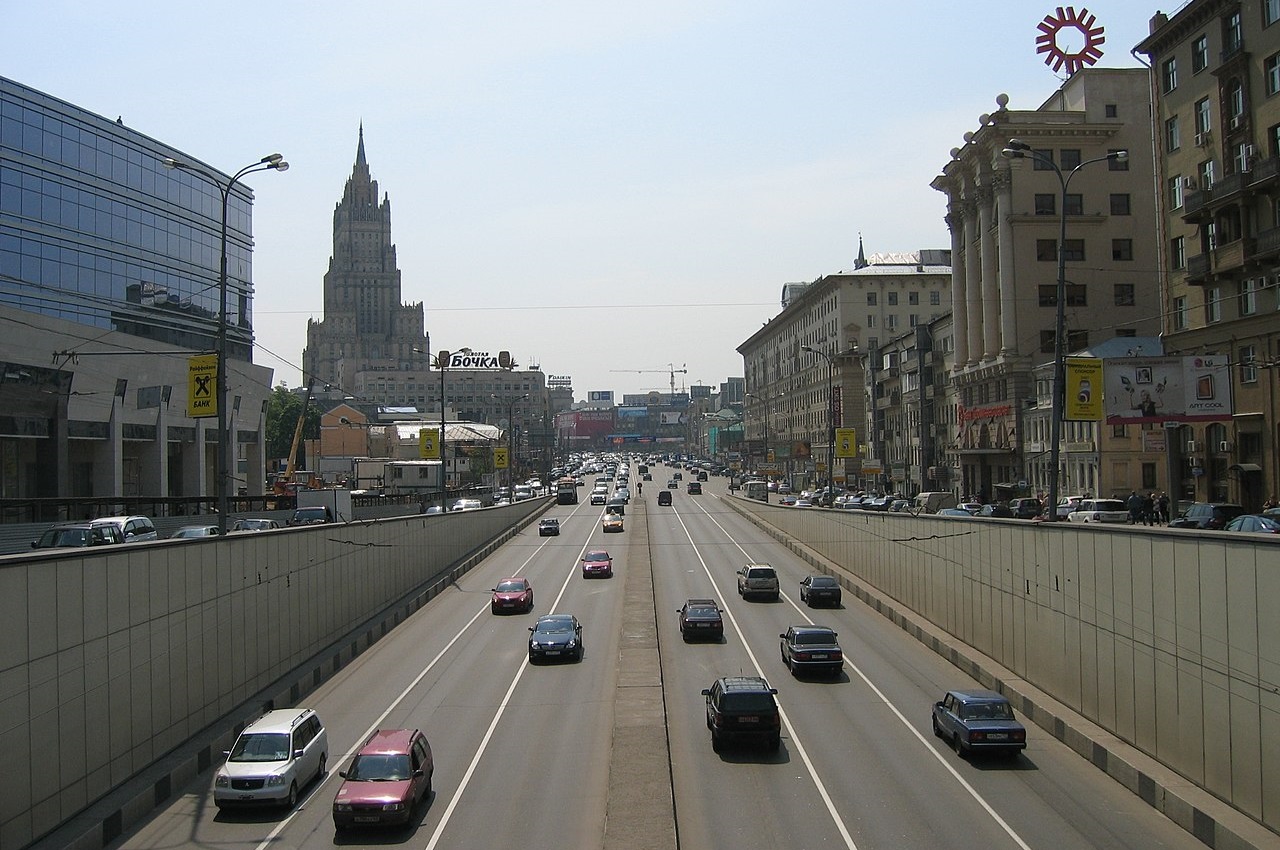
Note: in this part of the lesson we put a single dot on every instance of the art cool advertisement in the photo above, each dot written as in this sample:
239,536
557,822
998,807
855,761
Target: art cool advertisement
1159,389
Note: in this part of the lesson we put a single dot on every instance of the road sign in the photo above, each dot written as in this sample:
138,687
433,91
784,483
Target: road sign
428,444
500,458
202,386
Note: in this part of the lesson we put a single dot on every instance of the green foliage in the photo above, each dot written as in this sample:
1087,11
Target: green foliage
283,408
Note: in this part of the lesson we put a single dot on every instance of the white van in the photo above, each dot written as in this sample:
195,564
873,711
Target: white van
932,501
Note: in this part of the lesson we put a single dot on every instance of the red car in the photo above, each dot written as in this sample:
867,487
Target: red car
597,563
513,594
389,776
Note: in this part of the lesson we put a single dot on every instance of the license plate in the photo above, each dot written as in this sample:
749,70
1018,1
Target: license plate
552,652
997,736
703,625
366,819
819,656
246,796
749,719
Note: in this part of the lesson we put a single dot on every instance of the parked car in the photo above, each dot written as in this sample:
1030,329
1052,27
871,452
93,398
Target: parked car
1067,504
898,506
699,619
272,760
388,778
512,594
758,580
1208,515
188,532
815,648
664,498
978,720
1000,510
135,529
466,505
1026,508
743,708
555,636
256,524
956,512
1258,523
548,527
78,534
1100,510
597,562
820,589
313,515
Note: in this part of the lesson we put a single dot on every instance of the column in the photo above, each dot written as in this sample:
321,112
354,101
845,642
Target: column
973,279
959,309
1002,184
990,288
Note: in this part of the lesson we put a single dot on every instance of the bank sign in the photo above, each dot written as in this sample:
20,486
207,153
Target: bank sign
480,360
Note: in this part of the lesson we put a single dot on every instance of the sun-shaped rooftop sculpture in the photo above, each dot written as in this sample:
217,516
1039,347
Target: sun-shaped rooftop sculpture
1051,31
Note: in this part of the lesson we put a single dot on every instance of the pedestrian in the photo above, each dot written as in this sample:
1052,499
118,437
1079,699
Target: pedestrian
1135,507
1162,505
1148,509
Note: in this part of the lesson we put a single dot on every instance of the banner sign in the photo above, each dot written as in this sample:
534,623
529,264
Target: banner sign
846,442
428,444
600,396
202,386
670,418
480,360
500,458
632,412
1084,389
1193,388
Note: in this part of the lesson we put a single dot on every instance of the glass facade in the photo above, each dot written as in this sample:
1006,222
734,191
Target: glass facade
94,229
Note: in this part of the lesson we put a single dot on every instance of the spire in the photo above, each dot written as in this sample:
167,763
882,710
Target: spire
861,262
360,149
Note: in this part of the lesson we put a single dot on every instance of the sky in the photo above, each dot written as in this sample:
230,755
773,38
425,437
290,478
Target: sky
606,190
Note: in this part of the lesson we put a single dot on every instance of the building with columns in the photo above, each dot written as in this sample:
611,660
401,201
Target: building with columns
1004,217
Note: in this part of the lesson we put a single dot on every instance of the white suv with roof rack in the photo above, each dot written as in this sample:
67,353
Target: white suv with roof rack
274,757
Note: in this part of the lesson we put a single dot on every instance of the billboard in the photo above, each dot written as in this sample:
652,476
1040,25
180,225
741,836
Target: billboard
672,418
632,412
467,359
1083,401
600,396
846,442
1193,388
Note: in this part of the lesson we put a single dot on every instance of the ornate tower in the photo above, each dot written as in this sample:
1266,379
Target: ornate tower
365,326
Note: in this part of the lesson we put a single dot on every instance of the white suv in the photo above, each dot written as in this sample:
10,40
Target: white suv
758,579
135,529
274,756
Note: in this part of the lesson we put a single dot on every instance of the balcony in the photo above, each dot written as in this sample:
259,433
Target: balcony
1198,269
1267,245
1219,262
1199,204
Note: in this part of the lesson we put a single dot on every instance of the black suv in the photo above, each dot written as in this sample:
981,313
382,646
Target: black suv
1210,515
742,708
700,618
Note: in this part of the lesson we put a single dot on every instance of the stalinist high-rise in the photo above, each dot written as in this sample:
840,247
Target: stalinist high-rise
365,327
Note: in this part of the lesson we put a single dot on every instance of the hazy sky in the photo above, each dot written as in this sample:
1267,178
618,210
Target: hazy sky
594,186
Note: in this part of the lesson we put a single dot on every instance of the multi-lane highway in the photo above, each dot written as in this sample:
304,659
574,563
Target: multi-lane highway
523,753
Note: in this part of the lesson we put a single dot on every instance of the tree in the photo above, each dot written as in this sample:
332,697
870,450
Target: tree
283,409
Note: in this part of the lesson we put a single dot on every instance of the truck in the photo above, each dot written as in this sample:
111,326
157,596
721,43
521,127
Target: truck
567,491
328,505
932,501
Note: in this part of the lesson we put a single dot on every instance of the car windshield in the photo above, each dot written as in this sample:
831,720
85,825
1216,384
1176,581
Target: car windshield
809,638
261,746
555,626
510,587
64,537
987,711
380,768
597,556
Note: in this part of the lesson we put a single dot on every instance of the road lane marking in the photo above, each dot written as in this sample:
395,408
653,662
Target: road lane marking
973,792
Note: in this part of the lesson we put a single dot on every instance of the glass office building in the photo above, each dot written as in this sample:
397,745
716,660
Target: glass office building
109,282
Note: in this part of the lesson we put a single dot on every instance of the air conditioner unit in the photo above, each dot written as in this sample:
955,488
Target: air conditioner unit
1188,182
1203,139
1236,121
1192,447
1224,446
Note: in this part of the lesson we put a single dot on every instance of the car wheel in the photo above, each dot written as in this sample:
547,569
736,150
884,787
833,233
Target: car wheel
937,730
577,656
961,749
324,766
716,743
292,800
426,792
532,659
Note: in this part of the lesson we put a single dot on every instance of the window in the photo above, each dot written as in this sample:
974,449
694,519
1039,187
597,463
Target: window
1240,155
893,299
1178,252
1235,103
1068,158
1271,73
871,320
1046,204
1180,313
1118,431
1116,164
1270,12
1046,250
1248,297
890,322
1213,304
1120,204
1077,295
871,299
1169,75
1073,204
1199,54
1171,135
1111,111
1204,117
935,299
1122,249
913,297
1124,295
1076,340
1073,250
1042,160
1273,140
914,319
1232,40
1248,364
1175,192
1206,174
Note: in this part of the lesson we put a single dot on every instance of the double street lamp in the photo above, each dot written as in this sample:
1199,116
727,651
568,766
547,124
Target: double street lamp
274,162
1017,149
511,431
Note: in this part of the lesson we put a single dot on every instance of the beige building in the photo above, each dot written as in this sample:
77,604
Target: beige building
1005,216
786,424
1216,77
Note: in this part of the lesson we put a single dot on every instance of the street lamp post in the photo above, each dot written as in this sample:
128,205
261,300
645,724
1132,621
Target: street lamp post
274,162
511,445
441,362
1019,150
831,413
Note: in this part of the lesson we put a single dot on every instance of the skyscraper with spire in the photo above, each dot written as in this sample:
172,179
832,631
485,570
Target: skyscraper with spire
365,325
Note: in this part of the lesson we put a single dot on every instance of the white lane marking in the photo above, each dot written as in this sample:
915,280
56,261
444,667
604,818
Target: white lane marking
271,836
973,792
795,739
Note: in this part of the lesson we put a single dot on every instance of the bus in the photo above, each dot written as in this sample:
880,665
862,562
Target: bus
758,490
567,491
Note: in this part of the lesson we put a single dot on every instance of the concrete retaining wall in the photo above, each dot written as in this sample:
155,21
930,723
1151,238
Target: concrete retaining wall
112,657
1168,639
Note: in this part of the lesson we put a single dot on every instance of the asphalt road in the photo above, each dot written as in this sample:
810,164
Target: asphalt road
523,753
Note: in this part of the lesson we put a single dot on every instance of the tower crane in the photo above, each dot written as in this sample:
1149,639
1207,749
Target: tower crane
671,370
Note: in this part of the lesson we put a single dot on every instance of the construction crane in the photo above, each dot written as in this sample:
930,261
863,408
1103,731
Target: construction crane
671,370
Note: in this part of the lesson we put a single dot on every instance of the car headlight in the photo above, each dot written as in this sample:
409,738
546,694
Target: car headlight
342,807
222,781
275,779
393,807
533,644
571,644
